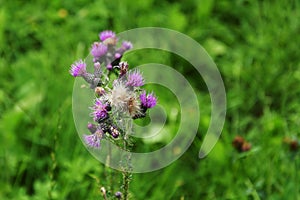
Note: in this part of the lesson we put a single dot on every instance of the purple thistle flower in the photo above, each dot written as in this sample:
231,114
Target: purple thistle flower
117,55
143,98
148,101
99,110
135,79
92,127
97,69
78,68
98,49
126,45
106,34
109,66
151,100
93,140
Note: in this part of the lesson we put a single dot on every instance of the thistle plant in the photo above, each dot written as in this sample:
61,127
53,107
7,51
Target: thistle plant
119,98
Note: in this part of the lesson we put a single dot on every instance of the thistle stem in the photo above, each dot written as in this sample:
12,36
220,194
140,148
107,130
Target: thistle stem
126,172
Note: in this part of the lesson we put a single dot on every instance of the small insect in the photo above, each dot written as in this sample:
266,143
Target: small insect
133,107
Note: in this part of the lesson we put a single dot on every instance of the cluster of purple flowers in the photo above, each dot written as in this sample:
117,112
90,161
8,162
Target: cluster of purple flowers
115,98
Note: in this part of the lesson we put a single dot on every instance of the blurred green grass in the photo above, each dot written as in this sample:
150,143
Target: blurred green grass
255,44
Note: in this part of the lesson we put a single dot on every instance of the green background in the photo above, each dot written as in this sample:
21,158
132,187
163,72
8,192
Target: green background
255,45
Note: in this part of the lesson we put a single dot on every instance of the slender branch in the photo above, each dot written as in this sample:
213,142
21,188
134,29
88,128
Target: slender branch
127,160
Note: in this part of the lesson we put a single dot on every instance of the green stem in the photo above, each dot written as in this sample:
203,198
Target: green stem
126,172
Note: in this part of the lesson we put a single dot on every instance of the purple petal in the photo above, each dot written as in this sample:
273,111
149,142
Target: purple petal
78,68
106,34
135,79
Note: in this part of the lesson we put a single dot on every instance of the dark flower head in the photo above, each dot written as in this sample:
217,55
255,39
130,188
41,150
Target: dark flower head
123,68
106,34
78,68
148,101
238,142
114,132
293,143
135,79
246,146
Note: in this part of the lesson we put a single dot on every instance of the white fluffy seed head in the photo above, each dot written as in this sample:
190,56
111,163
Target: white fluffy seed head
119,96
123,99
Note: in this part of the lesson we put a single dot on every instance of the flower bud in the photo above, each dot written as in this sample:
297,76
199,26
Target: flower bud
118,195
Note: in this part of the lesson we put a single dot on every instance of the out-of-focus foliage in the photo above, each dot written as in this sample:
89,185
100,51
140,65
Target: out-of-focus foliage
255,45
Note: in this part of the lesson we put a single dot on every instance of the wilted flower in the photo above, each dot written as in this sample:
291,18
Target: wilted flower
240,144
293,143
246,146
123,68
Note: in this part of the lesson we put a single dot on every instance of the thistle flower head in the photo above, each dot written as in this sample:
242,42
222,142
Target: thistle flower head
93,140
78,68
118,55
109,66
135,79
126,45
106,34
100,111
92,127
97,69
120,96
148,101
98,49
